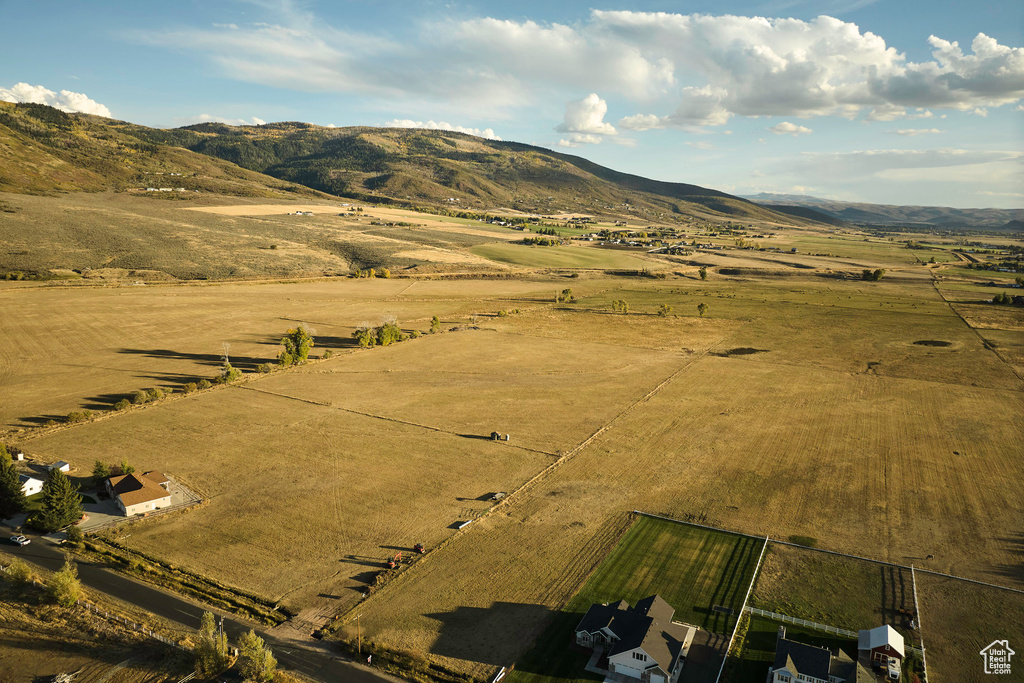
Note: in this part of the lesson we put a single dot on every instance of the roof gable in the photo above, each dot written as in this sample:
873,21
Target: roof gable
799,658
880,637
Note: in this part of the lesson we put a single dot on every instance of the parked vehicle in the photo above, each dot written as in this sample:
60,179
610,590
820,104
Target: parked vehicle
20,540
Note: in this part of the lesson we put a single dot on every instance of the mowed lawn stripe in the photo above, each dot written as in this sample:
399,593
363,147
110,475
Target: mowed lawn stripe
692,568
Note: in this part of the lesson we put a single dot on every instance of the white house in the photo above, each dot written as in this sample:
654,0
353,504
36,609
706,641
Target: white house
60,465
137,494
642,642
30,486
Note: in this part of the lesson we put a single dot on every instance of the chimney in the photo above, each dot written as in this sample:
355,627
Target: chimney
782,632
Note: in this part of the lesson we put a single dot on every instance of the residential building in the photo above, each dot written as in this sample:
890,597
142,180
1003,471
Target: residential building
641,642
138,494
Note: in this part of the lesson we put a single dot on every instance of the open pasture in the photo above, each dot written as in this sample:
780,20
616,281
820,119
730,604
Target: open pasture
779,428
358,456
693,569
86,347
575,256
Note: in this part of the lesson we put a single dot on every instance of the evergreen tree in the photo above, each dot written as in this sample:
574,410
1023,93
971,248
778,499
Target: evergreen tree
12,498
435,325
257,662
61,503
100,471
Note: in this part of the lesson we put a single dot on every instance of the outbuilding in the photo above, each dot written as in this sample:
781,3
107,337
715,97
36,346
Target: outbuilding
60,465
30,486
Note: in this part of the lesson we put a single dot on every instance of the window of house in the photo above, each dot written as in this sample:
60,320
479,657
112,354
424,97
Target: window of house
640,655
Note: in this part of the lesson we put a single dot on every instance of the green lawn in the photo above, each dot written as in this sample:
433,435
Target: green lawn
693,569
562,257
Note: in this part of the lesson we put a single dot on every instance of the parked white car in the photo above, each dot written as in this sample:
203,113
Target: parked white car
20,540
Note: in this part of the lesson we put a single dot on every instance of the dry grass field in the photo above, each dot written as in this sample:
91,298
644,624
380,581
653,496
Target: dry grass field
832,590
798,405
959,620
86,347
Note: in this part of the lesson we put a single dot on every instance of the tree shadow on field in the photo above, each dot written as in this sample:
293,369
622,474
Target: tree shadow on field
486,635
41,419
1014,571
213,359
320,341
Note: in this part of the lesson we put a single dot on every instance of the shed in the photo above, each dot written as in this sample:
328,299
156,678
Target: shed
30,486
60,465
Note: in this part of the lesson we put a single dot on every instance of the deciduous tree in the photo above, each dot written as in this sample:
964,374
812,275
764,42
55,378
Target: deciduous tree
63,587
702,308
211,649
256,660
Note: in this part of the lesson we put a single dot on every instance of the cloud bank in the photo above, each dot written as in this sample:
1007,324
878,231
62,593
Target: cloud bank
65,100
678,70
442,125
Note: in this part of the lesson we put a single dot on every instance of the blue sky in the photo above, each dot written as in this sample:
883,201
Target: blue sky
886,101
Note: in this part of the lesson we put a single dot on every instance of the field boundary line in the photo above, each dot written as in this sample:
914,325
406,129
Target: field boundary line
984,342
835,552
920,631
743,608
388,419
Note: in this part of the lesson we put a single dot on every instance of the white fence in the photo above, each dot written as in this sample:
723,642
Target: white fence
129,623
835,630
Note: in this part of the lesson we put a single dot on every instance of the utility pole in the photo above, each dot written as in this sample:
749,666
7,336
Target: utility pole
359,636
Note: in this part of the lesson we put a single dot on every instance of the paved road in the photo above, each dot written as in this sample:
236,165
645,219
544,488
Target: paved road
317,664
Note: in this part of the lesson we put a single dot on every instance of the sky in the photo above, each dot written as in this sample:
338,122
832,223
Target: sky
886,101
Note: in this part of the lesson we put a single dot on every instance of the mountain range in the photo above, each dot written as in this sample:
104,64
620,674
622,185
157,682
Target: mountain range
933,217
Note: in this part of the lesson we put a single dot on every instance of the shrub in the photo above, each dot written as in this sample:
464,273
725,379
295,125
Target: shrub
435,325
75,536
264,368
63,586
620,306
327,354
702,308
204,384
415,334
155,393
664,310
18,572
502,313
703,272
188,387
140,397
122,404
76,416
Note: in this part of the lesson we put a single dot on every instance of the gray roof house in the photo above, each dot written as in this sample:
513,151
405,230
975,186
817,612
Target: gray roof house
641,642
801,663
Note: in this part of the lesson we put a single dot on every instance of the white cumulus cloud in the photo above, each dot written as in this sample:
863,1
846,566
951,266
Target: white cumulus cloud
787,128
442,125
586,116
65,100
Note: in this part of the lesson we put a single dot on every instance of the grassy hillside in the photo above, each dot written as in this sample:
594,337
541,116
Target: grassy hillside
417,167
44,151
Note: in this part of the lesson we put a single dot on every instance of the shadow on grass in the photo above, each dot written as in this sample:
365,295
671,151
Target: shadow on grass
247,363
475,634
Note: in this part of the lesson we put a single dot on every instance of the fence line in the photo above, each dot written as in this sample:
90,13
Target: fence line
775,616
129,623
739,617
917,615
